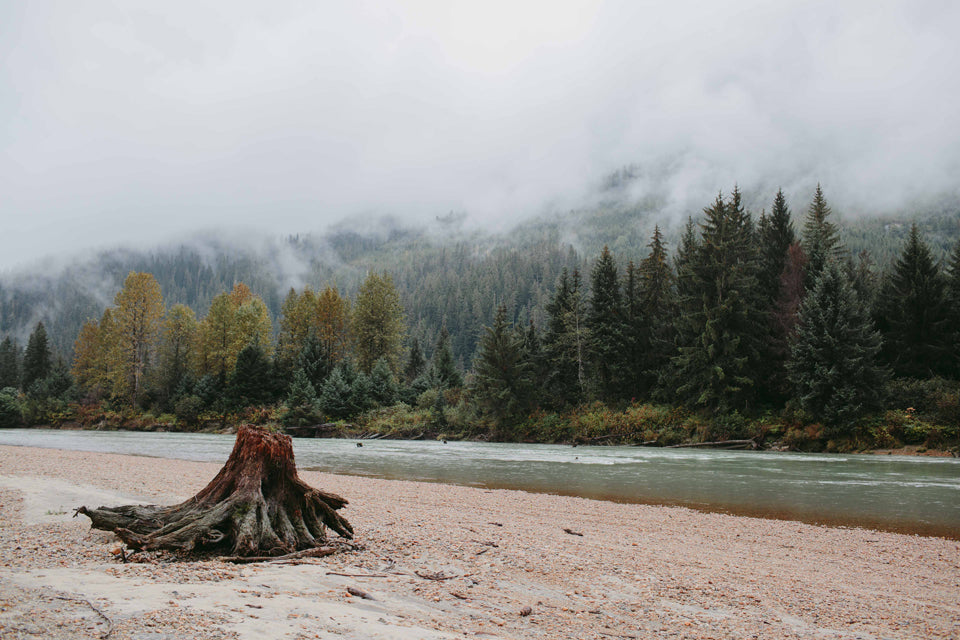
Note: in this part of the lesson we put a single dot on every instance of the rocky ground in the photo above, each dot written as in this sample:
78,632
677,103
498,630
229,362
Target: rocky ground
440,561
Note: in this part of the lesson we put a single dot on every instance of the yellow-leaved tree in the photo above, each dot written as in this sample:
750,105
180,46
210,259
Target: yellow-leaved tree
235,320
137,312
378,324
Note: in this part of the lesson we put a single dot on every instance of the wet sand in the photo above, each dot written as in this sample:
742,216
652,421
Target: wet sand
638,571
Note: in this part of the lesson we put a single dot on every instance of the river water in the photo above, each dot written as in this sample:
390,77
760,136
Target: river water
895,493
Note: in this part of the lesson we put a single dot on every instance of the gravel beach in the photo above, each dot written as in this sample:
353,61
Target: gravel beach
439,561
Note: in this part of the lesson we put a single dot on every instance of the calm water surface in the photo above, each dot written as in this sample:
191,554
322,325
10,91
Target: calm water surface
898,493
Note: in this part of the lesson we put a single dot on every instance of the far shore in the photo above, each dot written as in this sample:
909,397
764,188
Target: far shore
443,561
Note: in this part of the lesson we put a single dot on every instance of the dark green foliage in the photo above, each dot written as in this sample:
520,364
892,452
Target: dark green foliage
501,384
833,363
336,395
59,383
605,323
952,293
188,408
251,382
302,404
314,361
36,359
9,364
383,386
776,234
821,240
565,343
443,362
912,314
416,363
654,317
208,390
721,324
10,415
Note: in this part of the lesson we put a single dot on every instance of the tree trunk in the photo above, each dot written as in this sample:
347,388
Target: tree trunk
255,506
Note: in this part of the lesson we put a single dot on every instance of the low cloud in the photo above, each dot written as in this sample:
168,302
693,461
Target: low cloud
134,123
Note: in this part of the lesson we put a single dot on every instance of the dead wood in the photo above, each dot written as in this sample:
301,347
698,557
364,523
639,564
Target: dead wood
256,506
730,444
572,532
439,576
360,593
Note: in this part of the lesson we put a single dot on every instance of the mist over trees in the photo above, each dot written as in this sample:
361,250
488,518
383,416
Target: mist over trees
745,318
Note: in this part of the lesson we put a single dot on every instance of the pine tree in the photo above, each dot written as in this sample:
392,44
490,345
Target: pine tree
416,363
657,313
250,383
36,359
913,316
301,402
314,361
722,324
383,386
605,323
443,362
833,362
336,394
378,322
500,380
776,237
565,342
821,241
953,312
635,334
9,365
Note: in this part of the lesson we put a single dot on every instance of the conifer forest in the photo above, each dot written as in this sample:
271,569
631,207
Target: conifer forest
785,328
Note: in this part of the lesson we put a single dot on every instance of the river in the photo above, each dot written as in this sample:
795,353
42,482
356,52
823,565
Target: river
895,493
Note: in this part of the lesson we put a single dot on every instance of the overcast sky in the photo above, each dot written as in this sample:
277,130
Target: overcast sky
134,122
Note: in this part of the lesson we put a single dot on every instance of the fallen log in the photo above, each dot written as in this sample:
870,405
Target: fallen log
256,506
720,443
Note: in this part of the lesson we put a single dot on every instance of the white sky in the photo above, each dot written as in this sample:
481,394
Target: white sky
134,122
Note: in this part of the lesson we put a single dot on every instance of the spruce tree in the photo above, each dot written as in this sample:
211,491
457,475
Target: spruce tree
833,357
443,362
250,382
635,338
912,313
301,401
717,367
9,365
500,381
821,241
313,360
36,359
565,341
605,322
656,315
336,395
776,236
953,313
383,386
416,363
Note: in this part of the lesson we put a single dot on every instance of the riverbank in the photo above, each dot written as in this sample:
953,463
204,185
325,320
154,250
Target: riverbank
637,571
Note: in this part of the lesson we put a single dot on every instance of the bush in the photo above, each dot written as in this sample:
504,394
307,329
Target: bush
188,409
10,408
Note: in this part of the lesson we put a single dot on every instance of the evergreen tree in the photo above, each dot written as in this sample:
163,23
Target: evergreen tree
657,316
953,312
634,333
565,341
176,354
833,365
37,358
443,362
250,383
383,386
776,236
313,360
500,380
301,401
336,394
10,414
717,367
821,241
416,363
531,355
9,365
605,320
913,316
378,322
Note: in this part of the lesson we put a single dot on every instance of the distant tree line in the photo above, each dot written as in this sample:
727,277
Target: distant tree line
747,316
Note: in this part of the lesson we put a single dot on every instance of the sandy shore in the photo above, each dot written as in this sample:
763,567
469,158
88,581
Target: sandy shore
636,572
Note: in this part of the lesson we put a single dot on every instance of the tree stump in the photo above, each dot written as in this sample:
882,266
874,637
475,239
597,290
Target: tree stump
255,506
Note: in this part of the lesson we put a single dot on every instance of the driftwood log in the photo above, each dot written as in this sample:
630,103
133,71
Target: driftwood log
255,506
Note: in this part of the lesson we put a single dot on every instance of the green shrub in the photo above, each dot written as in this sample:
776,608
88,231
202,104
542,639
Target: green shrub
10,415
